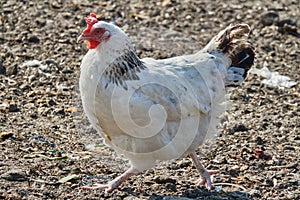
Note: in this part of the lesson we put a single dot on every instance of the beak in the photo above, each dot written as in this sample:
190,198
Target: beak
81,38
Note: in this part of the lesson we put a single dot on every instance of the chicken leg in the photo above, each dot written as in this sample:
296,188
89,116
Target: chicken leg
110,186
205,174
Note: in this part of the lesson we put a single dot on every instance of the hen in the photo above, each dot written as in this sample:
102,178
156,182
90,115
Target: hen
153,110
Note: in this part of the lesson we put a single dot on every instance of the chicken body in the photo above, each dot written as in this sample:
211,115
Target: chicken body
152,110
165,114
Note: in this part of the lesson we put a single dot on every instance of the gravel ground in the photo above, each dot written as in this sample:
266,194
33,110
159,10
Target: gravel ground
48,149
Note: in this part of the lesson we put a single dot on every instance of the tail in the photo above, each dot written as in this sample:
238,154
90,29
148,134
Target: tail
231,42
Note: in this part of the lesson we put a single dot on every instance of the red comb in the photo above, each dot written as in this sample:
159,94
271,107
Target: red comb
90,21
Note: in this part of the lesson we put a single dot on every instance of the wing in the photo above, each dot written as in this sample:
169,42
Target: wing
167,112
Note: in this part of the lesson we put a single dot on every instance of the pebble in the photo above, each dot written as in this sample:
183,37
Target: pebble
238,128
14,175
163,180
269,18
270,182
11,69
33,39
7,10
13,108
31,63
289,148
4,136
171,187
2,68
233,172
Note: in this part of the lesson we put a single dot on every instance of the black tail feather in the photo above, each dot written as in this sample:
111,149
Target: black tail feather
232,43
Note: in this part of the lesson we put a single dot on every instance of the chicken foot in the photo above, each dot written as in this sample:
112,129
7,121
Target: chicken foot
205,174
113,184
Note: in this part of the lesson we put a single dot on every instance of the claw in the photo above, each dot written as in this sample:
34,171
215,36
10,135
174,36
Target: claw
205,174
206,178
110,186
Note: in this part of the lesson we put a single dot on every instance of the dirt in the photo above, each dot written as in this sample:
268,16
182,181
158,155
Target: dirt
49,150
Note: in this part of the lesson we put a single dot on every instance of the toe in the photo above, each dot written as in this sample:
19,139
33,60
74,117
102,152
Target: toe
211,172
96,186
206,179
109,189
200,182
209,184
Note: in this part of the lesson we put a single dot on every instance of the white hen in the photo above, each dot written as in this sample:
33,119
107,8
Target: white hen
152,110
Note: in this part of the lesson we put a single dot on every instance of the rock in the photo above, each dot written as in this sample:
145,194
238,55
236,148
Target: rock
5,135
285,22
14,175
33,39
171,187
11,70
269,18
51,102
41,22
7,10
259,140
163,180
2,68
13,108
233,172
31,63
289,147
269,182
288,26
238,128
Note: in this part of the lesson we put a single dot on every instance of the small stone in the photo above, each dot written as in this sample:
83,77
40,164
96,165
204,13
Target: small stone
2,68
41,22
51,102
269,182
11,70
59,111
285,22
7,10
289,147
33,39
34,115
13,108
238,128
269,18
67,71
171,187
233,172
14,175
163,180
5,135
31,63
259,140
